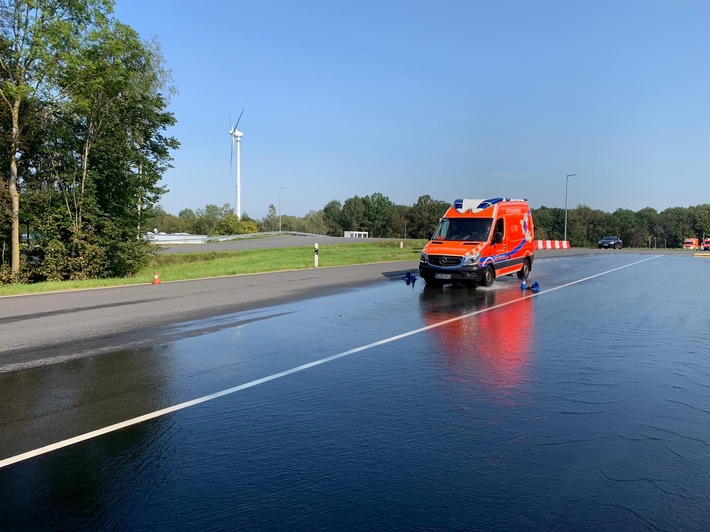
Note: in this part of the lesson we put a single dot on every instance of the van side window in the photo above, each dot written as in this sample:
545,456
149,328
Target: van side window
499,229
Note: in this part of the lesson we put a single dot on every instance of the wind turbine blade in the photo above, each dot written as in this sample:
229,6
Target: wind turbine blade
230,123
240,117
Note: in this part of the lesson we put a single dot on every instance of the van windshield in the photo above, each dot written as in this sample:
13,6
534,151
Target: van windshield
464,229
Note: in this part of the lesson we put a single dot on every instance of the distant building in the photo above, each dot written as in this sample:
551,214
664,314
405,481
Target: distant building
355,234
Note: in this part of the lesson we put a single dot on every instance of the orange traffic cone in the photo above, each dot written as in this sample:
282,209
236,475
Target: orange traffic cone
156,279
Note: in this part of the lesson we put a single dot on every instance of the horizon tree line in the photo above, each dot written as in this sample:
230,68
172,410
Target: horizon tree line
382,218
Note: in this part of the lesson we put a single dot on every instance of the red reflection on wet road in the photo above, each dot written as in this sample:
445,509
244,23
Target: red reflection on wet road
491,347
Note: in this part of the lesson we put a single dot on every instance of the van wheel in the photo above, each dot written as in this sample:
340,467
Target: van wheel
430,281
488,276
525,270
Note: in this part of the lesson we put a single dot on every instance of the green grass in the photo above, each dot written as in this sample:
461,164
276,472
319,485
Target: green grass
182,266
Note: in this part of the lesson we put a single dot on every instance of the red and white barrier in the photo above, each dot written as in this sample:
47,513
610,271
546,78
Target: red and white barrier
552,244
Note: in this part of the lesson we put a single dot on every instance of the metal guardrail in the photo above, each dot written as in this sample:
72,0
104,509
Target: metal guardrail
183,238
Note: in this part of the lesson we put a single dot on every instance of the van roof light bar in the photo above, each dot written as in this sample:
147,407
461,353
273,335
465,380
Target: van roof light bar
490,202
476,205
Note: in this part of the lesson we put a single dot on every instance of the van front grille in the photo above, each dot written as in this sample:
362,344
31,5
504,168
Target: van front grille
445,260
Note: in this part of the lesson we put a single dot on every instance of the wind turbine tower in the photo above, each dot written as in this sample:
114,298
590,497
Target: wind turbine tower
237,137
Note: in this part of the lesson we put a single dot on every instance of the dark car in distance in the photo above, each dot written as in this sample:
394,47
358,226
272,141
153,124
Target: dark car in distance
613,242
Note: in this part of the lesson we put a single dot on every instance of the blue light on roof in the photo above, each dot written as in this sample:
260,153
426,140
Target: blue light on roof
487,203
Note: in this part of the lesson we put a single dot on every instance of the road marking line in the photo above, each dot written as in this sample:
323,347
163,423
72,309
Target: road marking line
140,419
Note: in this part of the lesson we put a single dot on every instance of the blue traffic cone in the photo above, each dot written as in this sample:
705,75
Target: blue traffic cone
535,287
410,278
523,286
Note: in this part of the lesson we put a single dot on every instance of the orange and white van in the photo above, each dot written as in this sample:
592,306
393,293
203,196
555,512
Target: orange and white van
690,243
478,240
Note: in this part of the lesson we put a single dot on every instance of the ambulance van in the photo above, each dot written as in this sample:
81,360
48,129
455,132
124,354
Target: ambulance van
690,243
478,240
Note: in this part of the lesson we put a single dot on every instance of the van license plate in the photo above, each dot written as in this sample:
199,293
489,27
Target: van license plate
442,276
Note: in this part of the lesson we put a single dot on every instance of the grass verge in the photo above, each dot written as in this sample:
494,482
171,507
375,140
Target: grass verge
183,266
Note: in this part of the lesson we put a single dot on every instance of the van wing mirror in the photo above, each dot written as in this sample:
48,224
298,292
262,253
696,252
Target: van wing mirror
498,237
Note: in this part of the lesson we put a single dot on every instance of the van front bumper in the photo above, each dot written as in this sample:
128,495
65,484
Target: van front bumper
471,273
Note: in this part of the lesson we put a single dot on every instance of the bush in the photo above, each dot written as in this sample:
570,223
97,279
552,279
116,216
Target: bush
126,258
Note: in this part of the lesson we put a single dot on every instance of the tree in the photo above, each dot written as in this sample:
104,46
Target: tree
424,216
38,40
677,224
271,221
116,116
232,225
314,223
353,218
332,215
702,220
649,220
549,223
400,220
155,218
91,146
378,213
171,224
582,223
292,223
208,219
187,219
628,228
606,225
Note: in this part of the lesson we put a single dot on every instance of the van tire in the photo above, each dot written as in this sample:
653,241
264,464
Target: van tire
430,281
488,276
525,270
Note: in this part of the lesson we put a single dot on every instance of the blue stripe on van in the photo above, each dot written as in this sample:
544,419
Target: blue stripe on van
503,256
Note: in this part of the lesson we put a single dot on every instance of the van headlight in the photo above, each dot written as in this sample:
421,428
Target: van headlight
472,259
424,258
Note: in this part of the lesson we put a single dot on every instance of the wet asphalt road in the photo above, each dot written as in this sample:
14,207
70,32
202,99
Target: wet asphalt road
37,329
42,328
583,407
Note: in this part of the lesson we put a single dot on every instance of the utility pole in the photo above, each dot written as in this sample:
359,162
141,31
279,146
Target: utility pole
566,184
280,189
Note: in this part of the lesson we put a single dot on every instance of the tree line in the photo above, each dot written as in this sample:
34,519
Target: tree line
382,218
644,228
375,213
83,146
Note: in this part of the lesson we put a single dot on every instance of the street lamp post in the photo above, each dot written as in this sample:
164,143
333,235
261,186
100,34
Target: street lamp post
566,184
280,189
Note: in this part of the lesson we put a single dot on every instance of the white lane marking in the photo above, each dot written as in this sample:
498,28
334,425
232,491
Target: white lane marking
140,419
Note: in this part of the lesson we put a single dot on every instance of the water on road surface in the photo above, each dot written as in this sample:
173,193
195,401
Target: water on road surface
585,406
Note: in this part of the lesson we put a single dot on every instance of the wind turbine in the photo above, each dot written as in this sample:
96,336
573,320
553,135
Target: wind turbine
237,137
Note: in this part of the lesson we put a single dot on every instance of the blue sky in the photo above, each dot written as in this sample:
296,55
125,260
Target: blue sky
452,99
